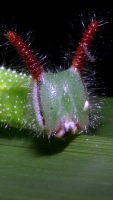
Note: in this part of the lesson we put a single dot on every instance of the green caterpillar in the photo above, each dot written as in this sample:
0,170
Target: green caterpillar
56,104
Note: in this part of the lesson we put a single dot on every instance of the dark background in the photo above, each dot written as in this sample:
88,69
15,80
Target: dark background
55,29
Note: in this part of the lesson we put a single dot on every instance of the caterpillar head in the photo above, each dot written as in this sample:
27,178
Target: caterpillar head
60,100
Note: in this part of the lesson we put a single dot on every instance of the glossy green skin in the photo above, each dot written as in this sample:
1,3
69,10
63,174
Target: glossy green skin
62,96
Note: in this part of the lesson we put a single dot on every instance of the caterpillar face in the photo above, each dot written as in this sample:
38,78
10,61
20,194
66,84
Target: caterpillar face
62,103
59,100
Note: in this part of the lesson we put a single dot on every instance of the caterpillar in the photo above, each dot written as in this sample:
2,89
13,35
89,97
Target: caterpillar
56,104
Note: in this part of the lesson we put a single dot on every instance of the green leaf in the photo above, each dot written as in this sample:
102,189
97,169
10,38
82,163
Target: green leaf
77,168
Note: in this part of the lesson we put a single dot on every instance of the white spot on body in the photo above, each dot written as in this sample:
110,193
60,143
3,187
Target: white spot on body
86,106
2,68
9,115
22,77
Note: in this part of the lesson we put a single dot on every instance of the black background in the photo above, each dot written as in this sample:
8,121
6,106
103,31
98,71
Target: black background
55,30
